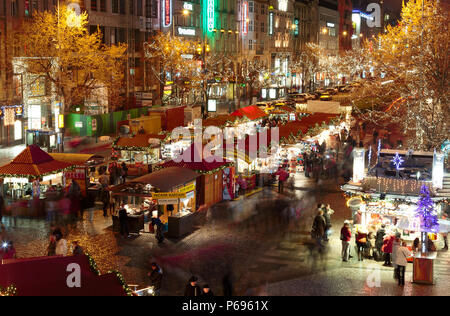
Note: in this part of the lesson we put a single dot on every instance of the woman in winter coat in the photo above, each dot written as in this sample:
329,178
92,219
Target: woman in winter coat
61,245
388,244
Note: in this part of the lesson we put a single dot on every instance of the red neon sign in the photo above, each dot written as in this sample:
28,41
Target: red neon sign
245,18
167,9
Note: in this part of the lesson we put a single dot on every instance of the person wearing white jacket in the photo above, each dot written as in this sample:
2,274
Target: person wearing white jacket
61,245
401,261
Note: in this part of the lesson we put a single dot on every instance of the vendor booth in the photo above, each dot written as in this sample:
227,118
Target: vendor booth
401,193
169,193
140,152
33,176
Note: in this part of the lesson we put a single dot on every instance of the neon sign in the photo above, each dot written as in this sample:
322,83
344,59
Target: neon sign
245,18
167,12
296,22
271,23
210,15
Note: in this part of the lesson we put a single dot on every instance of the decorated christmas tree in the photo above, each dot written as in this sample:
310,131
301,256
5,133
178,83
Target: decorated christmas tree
426,212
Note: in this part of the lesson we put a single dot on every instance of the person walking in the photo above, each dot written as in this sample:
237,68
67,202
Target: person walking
124,172
51,248
123,221
2,207
61,245
206,292
395,245
192,289
156,278
77,249
318,229
327,214
105,199
282,177
346,236
401,261
388,244
379,240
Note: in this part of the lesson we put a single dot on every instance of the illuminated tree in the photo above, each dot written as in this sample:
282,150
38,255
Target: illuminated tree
410,74
308,64
58,47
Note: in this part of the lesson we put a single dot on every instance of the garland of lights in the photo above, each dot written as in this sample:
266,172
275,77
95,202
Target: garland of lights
92,263
122,282
8,291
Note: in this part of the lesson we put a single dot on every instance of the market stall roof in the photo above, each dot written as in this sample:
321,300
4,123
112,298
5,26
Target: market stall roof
46,276
283,110
168,178
252,112
207,164
74,159
219,121
318,118
33,162
137,142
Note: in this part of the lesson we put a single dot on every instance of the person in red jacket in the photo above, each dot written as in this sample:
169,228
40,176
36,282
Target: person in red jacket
346,236
388,245
282,177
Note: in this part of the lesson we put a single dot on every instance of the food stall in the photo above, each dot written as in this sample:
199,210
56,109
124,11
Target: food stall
82,165
151,195
33,176
140,152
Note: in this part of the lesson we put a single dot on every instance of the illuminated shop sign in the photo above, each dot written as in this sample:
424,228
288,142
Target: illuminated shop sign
167,12
296,22
329,24
270,23
210,15
245,18
186,31
283,5
188,6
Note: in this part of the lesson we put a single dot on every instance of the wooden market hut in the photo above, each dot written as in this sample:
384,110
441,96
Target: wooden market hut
210,183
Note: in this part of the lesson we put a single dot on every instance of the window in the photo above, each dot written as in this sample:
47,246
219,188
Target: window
34,6
94,5
122,7
14,7
263,27
250,26
103,5
251,6
115,6
139,8
154,9
131,7
250,45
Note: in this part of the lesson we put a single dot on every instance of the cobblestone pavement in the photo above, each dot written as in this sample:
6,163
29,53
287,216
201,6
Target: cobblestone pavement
248,239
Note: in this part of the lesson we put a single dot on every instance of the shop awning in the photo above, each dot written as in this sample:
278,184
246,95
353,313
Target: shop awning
33,163
252,112
46,276
138,142
208,164
168,179
75,159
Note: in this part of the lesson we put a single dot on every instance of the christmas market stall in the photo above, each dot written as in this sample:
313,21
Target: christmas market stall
216,175
140,152
33,177
403,191
169,193
83,164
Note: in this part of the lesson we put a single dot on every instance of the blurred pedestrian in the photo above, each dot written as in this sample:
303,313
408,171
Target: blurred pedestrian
379,240
77,249
51,248
156,278
361,242
318,229
123,221
124,172
401,261
61,245
105,199
327,215
2,207
9,252
192,289
206,292
388,244
346,236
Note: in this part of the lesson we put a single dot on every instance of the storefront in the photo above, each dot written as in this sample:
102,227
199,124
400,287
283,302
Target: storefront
11,125
170,192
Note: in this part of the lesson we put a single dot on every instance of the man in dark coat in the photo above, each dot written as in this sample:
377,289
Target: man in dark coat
379,238
123,220
155,278
192,289
318,229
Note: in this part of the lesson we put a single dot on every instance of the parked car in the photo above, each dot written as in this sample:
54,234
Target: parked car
326,97
332,91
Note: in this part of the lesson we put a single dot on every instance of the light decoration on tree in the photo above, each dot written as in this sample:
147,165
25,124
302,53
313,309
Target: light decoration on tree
398,161
426,212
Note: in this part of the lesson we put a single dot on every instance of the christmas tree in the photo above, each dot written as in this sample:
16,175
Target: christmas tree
426,212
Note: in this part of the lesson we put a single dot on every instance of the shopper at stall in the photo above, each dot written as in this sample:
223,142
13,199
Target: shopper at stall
388,244
397,244
124,172
282,177
346,236
123,221
361,242
401,261
379,239
156,278
192,289
105,199
77,249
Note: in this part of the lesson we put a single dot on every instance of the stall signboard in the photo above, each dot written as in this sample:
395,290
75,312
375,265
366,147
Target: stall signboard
188,188
78,173
168,201
168,195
